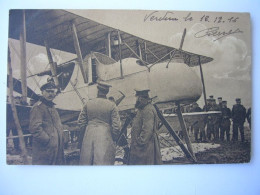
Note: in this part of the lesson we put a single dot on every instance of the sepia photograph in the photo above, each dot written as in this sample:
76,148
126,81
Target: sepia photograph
128,87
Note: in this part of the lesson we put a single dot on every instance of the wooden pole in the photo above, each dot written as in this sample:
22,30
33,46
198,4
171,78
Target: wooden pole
184,129
78,51
14,111
23,58
174,135
203,85
120,54
53,65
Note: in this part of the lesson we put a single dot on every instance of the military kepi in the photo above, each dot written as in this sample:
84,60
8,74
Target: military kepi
48,85
142,92
103,86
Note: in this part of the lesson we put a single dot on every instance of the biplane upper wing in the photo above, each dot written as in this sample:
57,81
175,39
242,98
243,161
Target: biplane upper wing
55,27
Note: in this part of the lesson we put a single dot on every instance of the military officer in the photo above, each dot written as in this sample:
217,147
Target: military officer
101,121
46,128
225,122
238,117
145,147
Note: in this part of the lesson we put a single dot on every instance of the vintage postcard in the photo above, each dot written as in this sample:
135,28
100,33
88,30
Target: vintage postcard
128,87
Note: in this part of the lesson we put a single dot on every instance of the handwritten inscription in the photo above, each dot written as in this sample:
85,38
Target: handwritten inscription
157,16
216,32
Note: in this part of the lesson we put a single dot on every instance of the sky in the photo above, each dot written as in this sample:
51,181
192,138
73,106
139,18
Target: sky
228,75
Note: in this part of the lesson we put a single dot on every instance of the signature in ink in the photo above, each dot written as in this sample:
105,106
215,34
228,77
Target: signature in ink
168,16
215,32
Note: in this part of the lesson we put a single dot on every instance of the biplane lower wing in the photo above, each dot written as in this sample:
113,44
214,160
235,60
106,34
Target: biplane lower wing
191,118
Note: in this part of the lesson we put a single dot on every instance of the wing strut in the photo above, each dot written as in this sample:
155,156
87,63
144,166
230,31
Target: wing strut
120,54
108,45
23,57
175,136
145,63
78,51
203,85
184,129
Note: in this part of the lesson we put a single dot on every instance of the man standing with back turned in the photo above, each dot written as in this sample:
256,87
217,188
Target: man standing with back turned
145,147
101,121
46,128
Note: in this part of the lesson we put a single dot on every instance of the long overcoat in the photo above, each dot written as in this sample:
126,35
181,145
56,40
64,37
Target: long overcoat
238,114
145,147
46,128
103,126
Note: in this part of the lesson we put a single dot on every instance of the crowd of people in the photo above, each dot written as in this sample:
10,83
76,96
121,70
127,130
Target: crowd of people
217,127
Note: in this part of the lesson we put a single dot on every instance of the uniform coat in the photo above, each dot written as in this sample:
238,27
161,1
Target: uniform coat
225,123
145,147
46,127
199,126
103,126
238,117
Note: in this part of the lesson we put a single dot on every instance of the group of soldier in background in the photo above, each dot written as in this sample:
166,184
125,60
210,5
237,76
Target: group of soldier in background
217,127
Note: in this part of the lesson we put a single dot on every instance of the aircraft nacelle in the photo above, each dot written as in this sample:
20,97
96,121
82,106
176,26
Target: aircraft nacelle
177,82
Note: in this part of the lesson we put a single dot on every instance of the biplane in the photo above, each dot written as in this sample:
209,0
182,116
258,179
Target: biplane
104,53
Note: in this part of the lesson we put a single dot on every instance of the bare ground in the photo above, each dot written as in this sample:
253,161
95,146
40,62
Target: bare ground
226,152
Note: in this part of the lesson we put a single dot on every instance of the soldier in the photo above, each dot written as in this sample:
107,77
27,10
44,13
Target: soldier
238,117
145,147
212,121
100,122
198,126
218,123
207,107
220,103
248,117
46,128
206,119
216,119
225,122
